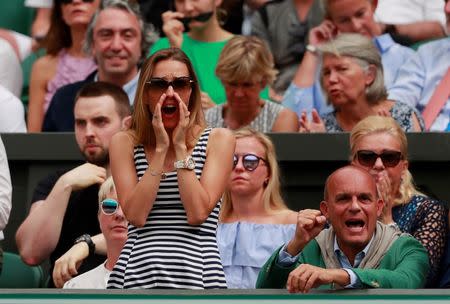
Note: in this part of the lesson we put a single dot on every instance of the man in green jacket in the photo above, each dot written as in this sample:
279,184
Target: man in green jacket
355,252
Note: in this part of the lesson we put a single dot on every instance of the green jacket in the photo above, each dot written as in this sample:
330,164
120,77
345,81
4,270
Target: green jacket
405,265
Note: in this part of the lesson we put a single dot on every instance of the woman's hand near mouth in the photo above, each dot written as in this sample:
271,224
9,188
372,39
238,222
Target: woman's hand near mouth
385,193
162,138
179,133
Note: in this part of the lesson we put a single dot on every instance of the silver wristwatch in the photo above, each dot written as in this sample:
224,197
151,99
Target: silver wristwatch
313,49
187,163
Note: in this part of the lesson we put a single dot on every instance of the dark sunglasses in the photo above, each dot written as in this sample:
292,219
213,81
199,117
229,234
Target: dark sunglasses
203,17
161,85
70,1
109,206
249,161
389,158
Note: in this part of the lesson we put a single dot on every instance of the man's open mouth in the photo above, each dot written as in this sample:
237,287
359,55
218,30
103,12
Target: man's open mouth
355,225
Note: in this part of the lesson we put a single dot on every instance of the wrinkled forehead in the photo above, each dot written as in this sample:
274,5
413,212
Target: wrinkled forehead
351,180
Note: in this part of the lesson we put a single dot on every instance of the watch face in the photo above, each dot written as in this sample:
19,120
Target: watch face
190,163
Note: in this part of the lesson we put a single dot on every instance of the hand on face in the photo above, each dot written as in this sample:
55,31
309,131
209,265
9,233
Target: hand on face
161,136
322,33
385,193
179,133
173,27
314,125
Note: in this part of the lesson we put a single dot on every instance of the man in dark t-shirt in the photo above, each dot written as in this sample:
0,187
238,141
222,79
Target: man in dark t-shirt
65,204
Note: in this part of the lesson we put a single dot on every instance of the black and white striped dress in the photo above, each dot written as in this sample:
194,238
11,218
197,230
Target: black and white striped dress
168,252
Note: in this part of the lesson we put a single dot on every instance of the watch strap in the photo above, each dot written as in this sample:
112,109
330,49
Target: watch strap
86,238
312,49
187,163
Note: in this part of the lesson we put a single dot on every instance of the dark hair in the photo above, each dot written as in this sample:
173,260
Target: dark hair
58,36
100,88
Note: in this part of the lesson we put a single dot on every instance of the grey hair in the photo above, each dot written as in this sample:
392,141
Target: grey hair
365,53
148,32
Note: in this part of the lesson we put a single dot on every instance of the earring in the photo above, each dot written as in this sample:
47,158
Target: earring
266,182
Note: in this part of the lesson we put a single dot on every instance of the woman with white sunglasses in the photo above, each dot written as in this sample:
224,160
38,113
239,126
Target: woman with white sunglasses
113,226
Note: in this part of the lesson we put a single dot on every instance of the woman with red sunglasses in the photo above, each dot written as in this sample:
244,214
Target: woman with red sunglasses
65,61
254,219
379,145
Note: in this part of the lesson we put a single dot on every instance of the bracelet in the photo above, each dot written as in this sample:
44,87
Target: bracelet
312,49
154,173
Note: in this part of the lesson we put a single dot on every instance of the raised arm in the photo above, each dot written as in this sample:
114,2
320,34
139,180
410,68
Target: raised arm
306,72
173,28
287,121
199,197
39,234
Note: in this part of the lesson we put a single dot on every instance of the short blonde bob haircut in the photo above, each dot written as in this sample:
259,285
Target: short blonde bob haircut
272,199
141,123
105,189
380,124
246,59
364,53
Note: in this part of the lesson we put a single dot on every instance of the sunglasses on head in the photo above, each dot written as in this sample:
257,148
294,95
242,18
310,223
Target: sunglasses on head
249,161
70,1
109,206
389,158
160,85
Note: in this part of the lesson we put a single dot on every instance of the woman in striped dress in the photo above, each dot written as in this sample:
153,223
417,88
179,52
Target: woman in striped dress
170,173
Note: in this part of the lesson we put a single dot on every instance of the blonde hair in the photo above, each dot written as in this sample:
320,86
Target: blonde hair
364,53
380,124
141,123
106,188
272,199
243,59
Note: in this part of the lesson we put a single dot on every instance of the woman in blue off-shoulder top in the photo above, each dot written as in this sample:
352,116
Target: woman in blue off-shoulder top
254,219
